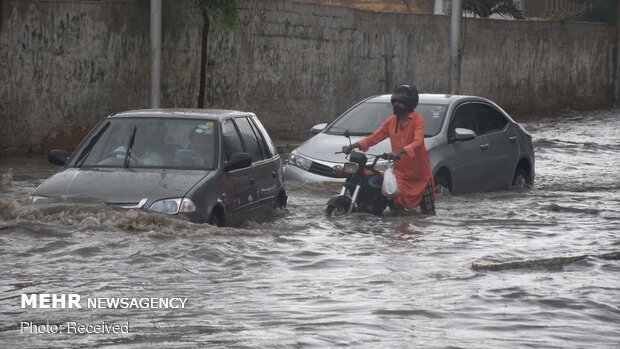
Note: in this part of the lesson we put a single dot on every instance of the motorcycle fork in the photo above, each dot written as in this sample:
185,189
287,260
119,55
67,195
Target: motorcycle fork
354,197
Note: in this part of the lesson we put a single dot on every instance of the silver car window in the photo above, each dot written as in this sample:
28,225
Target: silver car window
478,117
487,119
434,115
464,118
361,120
365,118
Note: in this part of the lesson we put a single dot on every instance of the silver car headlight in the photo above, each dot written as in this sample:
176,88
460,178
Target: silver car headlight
300,161
38,199
173,206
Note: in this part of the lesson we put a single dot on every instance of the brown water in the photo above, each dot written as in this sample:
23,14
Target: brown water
510,269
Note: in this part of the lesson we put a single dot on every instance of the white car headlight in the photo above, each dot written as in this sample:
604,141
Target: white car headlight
300,161
173,206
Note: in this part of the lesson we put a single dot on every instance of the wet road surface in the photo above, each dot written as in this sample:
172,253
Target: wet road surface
510,269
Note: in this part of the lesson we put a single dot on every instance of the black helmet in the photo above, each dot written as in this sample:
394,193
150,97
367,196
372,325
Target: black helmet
407,94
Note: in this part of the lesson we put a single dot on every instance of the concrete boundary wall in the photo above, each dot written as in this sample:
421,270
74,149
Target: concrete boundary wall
65,65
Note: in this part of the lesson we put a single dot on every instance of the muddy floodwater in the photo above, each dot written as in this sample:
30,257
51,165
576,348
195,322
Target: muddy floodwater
510,269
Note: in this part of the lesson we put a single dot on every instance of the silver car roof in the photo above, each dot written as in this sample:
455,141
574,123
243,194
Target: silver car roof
429,98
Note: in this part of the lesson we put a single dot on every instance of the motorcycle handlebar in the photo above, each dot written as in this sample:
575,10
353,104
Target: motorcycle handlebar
382,156
387,157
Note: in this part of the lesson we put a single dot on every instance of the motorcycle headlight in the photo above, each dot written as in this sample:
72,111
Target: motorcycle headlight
351,168
300,161
173,206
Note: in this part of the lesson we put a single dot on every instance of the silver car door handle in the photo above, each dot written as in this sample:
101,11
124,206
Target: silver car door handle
484,146
512,139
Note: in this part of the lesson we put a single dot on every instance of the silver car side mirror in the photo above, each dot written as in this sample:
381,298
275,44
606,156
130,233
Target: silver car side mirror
463,134
318,128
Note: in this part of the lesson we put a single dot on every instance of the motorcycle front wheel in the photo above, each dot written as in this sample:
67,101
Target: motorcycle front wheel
338,206
334,211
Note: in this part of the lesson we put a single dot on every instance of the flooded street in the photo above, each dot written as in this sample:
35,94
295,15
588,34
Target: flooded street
511,269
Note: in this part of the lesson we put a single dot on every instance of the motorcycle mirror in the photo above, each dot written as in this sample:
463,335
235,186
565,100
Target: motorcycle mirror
348,135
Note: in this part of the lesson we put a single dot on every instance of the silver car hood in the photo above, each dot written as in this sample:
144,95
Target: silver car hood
322,147
119,186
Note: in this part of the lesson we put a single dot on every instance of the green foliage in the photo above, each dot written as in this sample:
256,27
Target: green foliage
562,16
485,8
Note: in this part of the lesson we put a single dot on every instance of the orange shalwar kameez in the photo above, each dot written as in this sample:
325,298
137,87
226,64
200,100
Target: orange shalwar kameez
413,170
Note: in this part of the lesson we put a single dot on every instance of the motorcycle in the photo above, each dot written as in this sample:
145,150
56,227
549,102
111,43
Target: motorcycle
361,191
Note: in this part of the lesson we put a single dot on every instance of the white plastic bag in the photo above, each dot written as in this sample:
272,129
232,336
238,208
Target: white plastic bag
390,185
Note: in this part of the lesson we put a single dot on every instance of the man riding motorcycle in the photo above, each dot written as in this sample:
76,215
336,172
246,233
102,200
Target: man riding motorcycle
405,128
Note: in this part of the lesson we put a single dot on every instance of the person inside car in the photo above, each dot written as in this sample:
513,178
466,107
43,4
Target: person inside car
198,152
155,151
405,128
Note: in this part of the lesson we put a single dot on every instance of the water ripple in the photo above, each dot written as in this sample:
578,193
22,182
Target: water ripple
508,269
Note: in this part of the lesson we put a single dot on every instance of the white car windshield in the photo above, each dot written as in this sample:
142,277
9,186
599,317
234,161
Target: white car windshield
368,116
151,142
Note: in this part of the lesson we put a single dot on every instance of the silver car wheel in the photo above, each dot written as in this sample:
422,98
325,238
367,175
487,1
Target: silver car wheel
520,179
441,186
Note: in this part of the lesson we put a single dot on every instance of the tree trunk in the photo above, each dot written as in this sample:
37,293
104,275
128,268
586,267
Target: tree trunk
204,50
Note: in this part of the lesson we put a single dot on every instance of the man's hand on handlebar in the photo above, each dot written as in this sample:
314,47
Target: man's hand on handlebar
395,155
347,149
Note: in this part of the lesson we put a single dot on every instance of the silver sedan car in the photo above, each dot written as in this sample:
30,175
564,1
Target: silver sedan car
474,145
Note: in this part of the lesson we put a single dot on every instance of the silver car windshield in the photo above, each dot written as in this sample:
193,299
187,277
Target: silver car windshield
152,142
366,118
